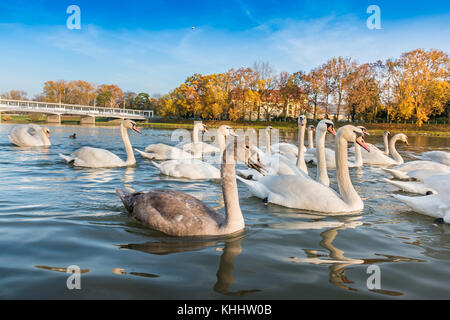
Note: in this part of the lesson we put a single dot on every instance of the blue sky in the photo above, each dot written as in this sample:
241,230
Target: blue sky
149,46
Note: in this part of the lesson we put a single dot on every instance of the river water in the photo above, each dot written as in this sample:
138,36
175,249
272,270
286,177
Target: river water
53,216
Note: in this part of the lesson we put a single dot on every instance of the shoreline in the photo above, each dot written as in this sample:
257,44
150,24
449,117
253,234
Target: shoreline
436,130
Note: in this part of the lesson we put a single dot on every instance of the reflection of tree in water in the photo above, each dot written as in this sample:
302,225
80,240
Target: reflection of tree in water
339,263
232,248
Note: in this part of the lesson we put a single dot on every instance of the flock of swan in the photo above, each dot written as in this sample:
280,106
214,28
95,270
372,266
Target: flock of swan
277,174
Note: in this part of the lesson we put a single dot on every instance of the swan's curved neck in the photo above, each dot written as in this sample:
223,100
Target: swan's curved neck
386,144
222,142
397,157
322,173
234,218
195,134
310,139
346,189
45,139
358,155
126,141
301,149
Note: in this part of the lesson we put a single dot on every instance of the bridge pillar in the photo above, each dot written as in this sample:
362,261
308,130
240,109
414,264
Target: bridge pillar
87,120
54,118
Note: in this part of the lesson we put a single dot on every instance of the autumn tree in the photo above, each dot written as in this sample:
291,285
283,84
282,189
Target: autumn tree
56,91
14,95
423,86
340,68
363,94
109,96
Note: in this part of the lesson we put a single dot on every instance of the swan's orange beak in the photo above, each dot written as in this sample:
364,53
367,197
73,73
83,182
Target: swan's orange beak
331,130
406,141
48,134
136,129
362,143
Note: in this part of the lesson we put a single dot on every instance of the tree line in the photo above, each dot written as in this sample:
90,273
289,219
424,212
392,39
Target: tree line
414,87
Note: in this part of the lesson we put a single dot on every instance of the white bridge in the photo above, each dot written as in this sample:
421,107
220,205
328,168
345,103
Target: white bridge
87,113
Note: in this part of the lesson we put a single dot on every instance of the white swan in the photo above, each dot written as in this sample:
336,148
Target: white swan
162,151
101,158
435,205
195,168
401,172
30,135
196,146
276,163
378,157
437,156
306,194
179,214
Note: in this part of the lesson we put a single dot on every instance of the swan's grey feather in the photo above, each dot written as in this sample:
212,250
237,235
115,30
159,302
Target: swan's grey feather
172,212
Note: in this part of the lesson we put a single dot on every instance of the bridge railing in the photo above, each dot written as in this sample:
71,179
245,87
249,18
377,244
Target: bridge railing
22,105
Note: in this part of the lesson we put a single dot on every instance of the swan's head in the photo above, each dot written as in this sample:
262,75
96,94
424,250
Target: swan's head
130,124
364,130
46,131
326,125
201,127
269,129
311,128
353,134
403,137
252,158
386,133
226,130
302,120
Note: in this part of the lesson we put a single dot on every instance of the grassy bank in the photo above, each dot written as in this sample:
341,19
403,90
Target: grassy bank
376,128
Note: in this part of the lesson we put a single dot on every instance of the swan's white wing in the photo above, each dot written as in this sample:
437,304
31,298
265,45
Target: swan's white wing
438,156
285,148
200,147
422,174
422,164
26,136
298,192
162,151
95,158
428,205
377,157
188,169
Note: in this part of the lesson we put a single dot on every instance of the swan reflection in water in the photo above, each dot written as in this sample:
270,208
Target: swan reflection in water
338,262
232,248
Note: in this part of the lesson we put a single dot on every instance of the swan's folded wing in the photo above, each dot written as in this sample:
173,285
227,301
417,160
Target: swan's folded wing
428,205
162,151
189,169
175,213
96,158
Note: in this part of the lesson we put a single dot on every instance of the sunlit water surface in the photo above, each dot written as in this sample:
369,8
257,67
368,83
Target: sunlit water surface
53,216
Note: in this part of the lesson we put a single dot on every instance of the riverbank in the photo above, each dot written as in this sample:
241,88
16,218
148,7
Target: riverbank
375,128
